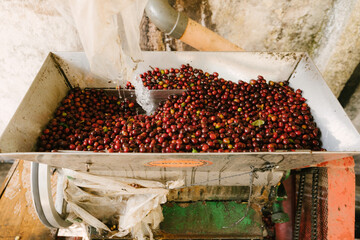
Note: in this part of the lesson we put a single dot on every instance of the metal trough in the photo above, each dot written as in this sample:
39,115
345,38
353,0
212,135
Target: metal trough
63,70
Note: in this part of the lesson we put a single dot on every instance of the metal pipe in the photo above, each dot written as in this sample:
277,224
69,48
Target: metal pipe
179,26
166,18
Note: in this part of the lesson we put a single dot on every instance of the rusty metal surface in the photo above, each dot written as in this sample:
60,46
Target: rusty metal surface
202,193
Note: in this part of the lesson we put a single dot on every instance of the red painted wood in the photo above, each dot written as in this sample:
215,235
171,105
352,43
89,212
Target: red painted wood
341,199
284,231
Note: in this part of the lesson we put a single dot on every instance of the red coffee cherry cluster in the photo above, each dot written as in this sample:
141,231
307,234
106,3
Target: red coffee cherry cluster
212,115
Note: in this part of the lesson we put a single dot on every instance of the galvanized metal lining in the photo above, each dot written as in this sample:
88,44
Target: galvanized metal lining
49,87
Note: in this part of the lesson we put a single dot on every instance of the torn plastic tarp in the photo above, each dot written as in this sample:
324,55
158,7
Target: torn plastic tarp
131,205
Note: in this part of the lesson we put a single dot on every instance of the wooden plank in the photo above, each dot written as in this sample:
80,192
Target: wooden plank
8,177
17,214
213,193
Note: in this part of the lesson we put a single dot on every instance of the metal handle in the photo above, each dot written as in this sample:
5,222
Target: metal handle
42,197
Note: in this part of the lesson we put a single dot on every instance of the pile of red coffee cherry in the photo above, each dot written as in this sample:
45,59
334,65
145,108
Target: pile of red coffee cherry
212,115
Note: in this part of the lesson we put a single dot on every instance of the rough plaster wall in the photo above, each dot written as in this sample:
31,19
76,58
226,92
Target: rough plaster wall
339,51
29,30
327,29
270,25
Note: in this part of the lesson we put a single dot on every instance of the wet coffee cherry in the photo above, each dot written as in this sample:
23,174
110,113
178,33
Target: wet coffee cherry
211,115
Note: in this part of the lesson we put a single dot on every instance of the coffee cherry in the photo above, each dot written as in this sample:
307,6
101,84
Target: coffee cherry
211,115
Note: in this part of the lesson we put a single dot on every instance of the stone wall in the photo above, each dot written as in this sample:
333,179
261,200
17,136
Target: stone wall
327,29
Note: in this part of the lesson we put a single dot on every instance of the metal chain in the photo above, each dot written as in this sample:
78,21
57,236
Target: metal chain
299,206
314,207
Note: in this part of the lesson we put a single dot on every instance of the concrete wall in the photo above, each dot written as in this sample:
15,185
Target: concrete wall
327,29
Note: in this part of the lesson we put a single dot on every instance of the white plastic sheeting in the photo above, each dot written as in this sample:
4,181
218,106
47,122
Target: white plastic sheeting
109,32
132,205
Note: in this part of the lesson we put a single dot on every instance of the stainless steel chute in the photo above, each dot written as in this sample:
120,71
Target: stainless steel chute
63,70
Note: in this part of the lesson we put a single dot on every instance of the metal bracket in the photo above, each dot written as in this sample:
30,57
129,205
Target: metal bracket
42,197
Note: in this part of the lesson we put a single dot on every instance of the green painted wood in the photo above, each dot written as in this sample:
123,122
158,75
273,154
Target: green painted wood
210,218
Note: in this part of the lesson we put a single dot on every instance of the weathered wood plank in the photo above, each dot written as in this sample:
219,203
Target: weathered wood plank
8,177
212,193
17,214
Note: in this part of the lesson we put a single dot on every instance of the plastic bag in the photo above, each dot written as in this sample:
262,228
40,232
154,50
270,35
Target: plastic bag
109,32
132,205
